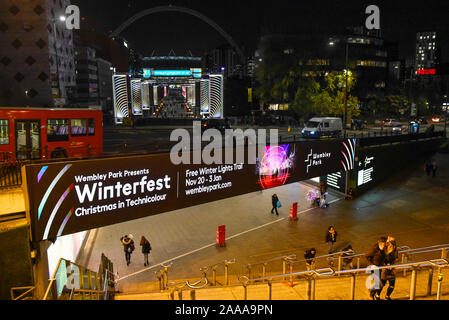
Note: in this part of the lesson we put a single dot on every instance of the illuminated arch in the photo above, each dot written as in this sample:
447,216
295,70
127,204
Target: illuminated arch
197,14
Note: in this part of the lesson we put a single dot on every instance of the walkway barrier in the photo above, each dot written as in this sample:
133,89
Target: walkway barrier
284,259
71,281
214,267
341,259
312,275
10,173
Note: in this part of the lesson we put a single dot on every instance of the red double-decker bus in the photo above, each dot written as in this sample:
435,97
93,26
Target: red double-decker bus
38,133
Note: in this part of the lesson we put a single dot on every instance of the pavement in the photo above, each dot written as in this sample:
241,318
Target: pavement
410,205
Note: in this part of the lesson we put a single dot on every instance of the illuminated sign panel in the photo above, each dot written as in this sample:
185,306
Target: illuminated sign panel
74,196
425,71
365,173
120,92
172,73
136,97
147,73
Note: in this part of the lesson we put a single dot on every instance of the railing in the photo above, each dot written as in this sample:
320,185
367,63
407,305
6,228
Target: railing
214,267
23,293
311,276
375,137
283,259
337,260
71,281
178,287
10,172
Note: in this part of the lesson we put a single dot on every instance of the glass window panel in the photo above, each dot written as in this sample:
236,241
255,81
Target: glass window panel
78,127
4,131
57,130
91,127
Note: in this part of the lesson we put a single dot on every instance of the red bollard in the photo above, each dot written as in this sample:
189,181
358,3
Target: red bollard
294,211
221,236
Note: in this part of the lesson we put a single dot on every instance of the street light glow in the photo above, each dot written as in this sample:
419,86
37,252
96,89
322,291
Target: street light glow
62,18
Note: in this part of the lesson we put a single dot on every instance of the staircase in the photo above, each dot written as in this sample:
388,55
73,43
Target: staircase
326,288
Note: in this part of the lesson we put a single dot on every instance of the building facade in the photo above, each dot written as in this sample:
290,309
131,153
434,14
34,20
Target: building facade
37,56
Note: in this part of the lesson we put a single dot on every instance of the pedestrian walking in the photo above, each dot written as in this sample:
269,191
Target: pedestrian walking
376,257
128,247
388,275
434,168
310,259
428,168
348,252
276,204
146,248
331,238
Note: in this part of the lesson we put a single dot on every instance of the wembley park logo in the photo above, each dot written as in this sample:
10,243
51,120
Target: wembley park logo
188,149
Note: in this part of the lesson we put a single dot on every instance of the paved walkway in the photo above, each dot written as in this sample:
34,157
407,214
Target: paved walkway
411,206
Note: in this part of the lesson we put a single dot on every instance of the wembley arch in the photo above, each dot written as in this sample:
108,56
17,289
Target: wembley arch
191,12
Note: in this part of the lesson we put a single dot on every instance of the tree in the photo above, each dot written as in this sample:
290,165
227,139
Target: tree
332,96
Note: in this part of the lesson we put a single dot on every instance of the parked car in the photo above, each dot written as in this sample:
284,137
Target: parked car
319,127
396,127
436,119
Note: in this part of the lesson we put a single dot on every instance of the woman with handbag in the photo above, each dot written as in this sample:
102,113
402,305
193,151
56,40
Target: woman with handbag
275,203
391,254
146,248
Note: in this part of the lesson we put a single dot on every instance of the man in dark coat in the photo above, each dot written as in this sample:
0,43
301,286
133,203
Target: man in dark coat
310,258
376,257
274,202
128,247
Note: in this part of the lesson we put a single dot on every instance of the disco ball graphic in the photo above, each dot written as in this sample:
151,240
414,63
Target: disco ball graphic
276,166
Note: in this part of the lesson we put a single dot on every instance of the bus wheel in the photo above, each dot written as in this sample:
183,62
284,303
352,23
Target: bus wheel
58,154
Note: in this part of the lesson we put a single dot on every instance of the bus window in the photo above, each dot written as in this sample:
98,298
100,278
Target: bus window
4,132
91,127
57,130
78,127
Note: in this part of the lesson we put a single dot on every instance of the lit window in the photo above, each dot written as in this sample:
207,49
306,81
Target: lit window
91,127
78,127
57,130
4,132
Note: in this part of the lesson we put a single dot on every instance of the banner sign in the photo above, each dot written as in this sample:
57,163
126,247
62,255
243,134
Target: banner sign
69,197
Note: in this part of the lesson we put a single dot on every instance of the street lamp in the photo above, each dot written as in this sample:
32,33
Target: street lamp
345,101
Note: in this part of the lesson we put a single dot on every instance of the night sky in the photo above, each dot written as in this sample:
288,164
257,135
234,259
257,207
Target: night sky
245,19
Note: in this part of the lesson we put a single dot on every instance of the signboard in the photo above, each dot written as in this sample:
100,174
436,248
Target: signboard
69,197
172,73
336,181
365,173
425,71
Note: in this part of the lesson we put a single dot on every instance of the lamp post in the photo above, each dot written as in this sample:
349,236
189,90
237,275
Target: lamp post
345,117
345,101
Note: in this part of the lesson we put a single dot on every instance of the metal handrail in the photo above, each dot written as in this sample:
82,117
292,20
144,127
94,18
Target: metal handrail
188,284
288,257
28,290
52,281
226,264
217,264
440,263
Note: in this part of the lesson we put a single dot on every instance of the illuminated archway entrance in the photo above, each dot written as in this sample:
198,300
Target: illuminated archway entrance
194,13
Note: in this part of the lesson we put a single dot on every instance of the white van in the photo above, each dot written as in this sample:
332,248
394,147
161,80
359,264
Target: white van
319,127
